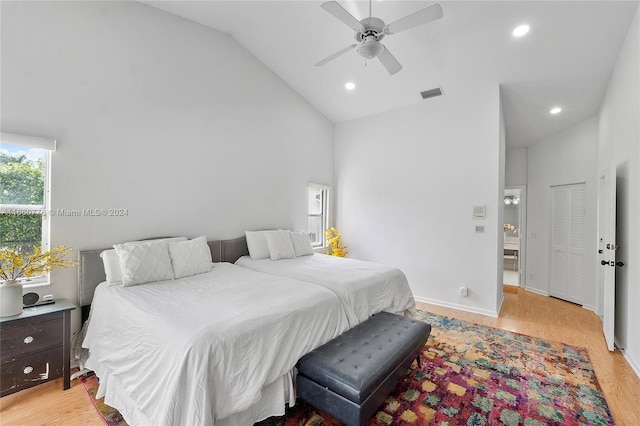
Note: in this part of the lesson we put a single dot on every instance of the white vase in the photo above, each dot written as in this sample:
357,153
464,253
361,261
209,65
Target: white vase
10,298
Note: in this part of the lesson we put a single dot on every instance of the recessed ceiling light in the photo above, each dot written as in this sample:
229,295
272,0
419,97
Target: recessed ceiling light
350,85
555,110
520,31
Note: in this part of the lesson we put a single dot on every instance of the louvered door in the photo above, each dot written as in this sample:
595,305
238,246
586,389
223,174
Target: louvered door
568,242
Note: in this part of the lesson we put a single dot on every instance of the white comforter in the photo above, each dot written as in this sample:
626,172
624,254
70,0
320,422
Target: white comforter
365,288
198,349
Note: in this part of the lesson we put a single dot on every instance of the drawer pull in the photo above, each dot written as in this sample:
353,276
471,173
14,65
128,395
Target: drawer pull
28,369
28,340
45,375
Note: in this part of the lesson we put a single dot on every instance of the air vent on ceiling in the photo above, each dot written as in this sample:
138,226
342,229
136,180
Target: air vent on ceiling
431,93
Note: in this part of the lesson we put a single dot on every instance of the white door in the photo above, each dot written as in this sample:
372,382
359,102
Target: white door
568,245
607,251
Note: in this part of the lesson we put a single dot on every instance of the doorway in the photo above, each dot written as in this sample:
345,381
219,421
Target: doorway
514,235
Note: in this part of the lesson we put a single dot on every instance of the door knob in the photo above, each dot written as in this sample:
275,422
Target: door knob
620,264
604,262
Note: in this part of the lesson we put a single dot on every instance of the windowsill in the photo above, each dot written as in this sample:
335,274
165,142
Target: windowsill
35,284
320,250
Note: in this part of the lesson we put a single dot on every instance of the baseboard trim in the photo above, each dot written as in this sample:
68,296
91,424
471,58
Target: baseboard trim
592,309
459,307
631,362
535,290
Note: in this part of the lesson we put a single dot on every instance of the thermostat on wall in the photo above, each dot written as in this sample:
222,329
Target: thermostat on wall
479,212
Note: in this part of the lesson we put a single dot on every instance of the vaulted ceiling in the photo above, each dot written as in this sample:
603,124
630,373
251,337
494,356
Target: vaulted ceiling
565,60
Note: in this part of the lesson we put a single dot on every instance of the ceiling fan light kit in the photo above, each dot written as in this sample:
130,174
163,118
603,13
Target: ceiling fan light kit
370,31
369,49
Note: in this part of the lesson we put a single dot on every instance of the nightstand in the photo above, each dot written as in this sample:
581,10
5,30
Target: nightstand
35,346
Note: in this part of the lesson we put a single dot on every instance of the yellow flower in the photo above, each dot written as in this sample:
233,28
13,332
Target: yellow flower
335,248
15,264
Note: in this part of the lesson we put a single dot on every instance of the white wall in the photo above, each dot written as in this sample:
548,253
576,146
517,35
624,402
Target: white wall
407,181
516,167
565,158
619,145
169,119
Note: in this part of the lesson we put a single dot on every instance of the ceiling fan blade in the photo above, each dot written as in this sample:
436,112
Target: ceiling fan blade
335,55
389,61
341,13
420,17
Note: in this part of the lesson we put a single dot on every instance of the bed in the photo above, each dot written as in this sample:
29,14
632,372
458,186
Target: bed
213,348
364,288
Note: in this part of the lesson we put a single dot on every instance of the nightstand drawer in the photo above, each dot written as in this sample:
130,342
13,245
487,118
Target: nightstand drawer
31,370
35,346
32,335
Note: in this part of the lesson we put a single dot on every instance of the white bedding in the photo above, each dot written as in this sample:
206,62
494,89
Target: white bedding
199,349
365,288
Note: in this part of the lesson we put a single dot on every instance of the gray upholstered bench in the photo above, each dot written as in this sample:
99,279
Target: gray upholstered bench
351,376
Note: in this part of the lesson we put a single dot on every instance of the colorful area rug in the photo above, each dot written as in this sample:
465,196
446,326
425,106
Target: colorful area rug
473,375
110,415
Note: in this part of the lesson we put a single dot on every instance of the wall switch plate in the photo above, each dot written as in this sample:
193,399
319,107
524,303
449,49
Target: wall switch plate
479,212
479,229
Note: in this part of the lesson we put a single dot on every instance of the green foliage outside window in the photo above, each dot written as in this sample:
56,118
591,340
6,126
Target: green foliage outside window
22,183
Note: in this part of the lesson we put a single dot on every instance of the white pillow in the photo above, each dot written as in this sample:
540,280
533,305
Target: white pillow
257,244
143,262
111,264
190,257
280,245
301,243
111,261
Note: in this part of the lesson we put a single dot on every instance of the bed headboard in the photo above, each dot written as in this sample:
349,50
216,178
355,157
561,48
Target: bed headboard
91,270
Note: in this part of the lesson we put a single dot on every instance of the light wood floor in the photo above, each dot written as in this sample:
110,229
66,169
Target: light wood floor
522,312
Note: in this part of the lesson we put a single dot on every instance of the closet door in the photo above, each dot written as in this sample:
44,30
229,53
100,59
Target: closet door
568,213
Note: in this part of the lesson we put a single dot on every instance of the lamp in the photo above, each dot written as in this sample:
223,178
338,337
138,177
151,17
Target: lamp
511,200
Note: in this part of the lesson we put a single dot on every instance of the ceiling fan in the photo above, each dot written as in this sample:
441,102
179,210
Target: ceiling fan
369,32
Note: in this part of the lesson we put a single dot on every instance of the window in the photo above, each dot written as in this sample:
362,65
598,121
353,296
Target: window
24,193
318,220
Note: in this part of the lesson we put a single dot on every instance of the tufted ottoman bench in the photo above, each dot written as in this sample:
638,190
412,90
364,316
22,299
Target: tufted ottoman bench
351,376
